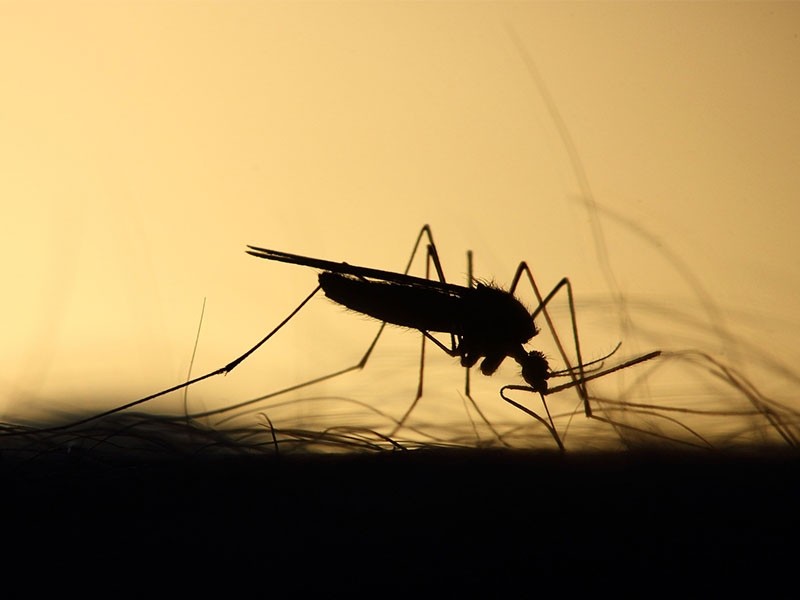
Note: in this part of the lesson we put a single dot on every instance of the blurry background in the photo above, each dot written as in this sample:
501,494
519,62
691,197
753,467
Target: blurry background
143,145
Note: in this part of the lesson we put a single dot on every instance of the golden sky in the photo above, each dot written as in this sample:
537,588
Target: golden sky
145,144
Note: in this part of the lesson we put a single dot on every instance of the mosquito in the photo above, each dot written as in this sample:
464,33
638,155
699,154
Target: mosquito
485,323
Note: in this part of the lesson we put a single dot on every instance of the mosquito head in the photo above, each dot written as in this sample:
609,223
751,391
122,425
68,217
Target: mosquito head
535,370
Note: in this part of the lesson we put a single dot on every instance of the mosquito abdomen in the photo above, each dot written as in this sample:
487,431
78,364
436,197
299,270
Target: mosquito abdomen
427,309
489,319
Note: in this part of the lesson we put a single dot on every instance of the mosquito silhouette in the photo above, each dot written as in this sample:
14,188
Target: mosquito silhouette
485,323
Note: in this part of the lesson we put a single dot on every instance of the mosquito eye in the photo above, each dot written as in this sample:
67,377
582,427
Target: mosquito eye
535,371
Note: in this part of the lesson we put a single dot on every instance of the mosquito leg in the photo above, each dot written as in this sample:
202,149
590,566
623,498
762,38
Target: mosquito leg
235,363
470,283
467,387
587,196
578,382
432,258
425,231
222,371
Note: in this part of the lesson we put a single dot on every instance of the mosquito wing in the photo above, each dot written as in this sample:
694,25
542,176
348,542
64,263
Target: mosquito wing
348,269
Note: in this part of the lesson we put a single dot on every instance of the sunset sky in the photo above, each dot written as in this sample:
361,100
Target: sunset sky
649,151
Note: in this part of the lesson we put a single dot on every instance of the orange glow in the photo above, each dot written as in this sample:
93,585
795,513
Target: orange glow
145,144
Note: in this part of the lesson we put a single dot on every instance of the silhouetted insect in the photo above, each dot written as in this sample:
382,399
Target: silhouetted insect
485,323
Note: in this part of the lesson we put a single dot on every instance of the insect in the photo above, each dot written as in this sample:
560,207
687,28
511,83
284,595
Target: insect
485,323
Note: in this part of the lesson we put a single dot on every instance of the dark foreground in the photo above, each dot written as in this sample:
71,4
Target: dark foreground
406,522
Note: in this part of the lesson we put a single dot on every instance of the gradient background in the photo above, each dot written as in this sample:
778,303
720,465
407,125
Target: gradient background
144,144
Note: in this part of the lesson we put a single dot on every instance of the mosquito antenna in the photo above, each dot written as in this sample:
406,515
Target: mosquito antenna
585,378
582,368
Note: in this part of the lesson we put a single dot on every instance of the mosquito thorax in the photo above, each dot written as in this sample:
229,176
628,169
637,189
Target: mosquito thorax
494,317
